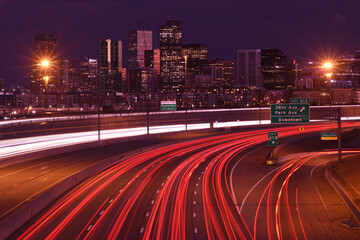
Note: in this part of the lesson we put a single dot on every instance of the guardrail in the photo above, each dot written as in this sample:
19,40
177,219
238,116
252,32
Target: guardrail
19,122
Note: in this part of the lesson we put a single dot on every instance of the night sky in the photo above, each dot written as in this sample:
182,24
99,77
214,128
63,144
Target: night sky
304,30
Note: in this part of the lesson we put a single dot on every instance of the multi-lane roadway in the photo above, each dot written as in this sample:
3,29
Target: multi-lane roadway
214,187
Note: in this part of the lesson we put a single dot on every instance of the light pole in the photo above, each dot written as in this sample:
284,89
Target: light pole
186,97
328,67
45,64
339,134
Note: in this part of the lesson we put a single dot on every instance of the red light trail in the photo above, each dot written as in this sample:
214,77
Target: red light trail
105,206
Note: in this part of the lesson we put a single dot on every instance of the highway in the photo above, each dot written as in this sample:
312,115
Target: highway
21,182
194,190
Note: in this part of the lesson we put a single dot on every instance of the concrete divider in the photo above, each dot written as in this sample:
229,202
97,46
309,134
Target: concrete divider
76,147
34,206
342,193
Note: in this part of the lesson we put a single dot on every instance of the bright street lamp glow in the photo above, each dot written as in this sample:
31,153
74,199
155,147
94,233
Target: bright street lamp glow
328,65
45,63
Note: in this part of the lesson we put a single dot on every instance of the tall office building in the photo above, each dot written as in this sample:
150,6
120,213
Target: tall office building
88,72
2,89
44,64
222,72
172,66
274,69
142,80
196,56
110,66
68,78
139,41
152,59
249,67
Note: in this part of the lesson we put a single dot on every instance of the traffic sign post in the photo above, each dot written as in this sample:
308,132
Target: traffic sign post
273,139
329,136
168,106
290,113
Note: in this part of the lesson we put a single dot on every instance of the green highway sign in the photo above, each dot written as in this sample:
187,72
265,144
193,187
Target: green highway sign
273,139
290,113
299,100
329,136
168,106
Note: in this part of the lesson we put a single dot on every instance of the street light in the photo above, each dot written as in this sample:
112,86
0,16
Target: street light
328,67
45,63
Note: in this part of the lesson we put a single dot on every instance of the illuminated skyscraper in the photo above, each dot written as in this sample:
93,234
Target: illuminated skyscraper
2,85
110,66
139,42
221,71
68,78
152,59
44,64
172,66
196,57
88,72
274,69
249,67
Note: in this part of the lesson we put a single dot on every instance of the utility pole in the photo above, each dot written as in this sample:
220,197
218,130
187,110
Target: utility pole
339,135
260,113
98,86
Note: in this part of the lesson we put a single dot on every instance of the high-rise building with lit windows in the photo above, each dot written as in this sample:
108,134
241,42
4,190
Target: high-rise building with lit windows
249,68
172,65
274,69
110,66
152,60
196,55
88,75
138,42
44,63
221,72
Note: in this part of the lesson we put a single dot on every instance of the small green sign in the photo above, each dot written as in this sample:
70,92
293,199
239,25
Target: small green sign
273,139
329,136
290,113
168,106
299,100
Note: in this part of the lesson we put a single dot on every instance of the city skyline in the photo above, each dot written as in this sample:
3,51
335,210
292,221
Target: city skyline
303,31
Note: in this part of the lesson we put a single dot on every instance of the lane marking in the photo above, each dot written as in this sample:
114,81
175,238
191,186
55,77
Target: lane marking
194,214
317,190
195,230
88,229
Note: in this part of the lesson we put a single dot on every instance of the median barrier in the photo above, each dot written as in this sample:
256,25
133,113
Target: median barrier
15,220
342,192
